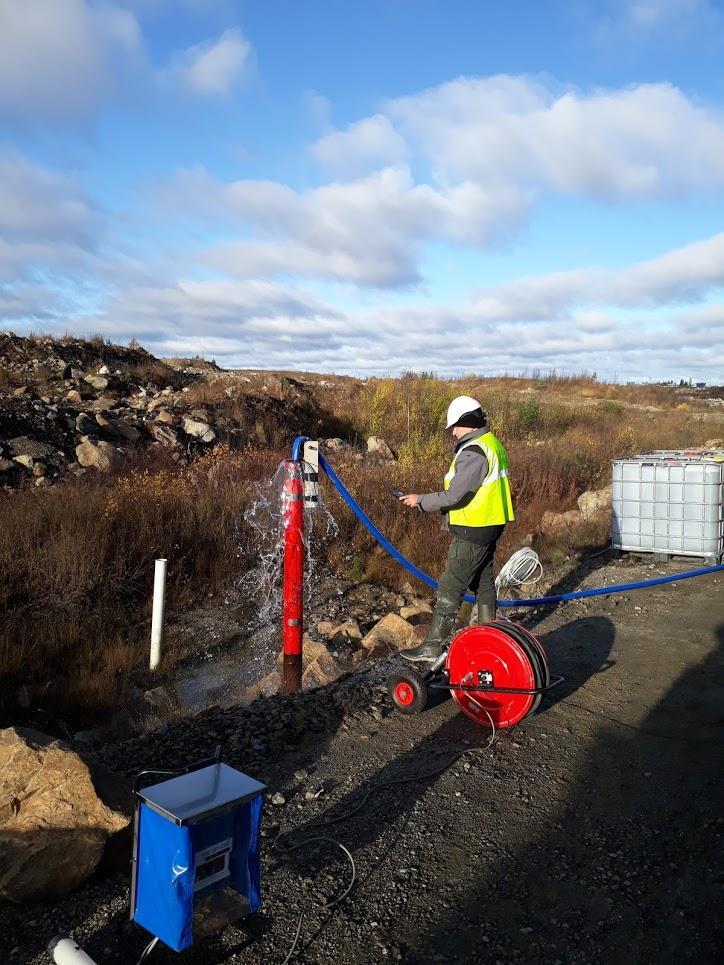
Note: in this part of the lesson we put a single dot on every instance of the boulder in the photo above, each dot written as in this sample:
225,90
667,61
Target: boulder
24,460
418,614
97,455
97,382
378,447
325,628
163,433
199,430
714,444
6,465
311,650
74,397
58,817
163,415
592,503
320,673
158,698
85,424
118,428
335,445
345,635
553,524
391,633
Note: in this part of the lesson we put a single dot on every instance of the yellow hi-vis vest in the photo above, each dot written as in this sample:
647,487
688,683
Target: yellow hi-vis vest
492,504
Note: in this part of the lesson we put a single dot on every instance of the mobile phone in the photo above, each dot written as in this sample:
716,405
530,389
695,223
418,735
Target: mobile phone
397,493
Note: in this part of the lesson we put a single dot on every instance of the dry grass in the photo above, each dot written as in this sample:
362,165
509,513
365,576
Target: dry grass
76,566
76,560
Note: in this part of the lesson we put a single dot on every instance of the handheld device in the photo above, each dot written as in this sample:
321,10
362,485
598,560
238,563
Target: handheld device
397,493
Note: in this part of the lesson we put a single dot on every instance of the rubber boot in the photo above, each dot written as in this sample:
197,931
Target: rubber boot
486,613
437,638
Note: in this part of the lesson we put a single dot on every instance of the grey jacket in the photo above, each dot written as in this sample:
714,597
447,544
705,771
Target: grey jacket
471,468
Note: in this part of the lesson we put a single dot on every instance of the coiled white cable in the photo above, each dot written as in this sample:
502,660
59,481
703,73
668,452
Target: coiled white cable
522,567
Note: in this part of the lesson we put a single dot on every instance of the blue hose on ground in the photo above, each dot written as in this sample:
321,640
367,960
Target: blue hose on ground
538,601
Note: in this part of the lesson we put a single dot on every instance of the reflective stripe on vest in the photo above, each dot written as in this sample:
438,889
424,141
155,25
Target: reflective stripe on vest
492,503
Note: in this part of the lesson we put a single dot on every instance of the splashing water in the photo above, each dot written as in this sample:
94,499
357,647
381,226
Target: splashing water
223,676
262,584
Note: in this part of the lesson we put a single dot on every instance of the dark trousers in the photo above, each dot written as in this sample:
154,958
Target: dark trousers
469,566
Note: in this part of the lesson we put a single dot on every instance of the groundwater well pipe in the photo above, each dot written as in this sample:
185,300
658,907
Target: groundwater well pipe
159,606
293,593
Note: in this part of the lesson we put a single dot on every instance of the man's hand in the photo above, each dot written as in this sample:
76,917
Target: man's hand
412,501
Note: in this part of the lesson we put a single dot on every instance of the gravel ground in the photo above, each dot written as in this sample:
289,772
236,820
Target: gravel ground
589,833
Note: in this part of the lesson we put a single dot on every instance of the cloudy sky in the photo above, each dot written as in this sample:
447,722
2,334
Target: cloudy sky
370,187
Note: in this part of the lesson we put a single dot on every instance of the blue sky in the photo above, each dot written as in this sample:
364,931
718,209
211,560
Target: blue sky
370,187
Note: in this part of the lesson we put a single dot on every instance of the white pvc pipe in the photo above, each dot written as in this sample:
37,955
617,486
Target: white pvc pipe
159,605
65,951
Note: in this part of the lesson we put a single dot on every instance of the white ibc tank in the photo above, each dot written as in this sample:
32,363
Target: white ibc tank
669,502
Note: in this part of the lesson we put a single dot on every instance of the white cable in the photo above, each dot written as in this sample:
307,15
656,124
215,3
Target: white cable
522,567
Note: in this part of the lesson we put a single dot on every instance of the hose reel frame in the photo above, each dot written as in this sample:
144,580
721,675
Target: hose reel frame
494,672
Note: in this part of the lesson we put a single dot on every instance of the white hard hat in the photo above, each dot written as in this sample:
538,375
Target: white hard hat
460,407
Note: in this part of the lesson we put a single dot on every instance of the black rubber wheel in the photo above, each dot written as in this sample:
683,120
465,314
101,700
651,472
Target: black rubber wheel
408,692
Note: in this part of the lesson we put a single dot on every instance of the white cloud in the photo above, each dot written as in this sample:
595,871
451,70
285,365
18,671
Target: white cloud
366,145
648,141
60,59
690,273
369,230
214,67
493,148
46,219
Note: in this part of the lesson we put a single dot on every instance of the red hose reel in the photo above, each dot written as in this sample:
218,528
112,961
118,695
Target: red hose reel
497,671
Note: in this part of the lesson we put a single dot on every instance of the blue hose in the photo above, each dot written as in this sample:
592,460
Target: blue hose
426,578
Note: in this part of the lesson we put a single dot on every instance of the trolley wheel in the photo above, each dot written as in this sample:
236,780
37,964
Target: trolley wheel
490,650
408,692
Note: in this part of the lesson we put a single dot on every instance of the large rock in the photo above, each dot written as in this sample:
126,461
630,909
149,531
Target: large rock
163,433
320,673
417,614
58,818
98,382
311,650
553,524
118,428
714,444
345,635
391,633
378,447
335,445
97,455
199,430
593,503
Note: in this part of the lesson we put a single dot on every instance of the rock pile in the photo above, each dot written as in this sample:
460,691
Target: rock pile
70,406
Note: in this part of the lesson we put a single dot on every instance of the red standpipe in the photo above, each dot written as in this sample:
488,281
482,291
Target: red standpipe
293,597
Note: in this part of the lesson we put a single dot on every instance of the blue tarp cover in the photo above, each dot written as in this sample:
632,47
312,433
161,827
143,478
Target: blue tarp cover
166,867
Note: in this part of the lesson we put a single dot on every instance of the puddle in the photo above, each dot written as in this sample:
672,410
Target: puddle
221,677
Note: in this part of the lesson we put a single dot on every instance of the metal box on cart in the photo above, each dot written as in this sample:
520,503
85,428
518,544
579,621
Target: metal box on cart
669,502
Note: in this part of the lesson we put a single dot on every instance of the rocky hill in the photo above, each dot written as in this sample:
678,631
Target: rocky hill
69,406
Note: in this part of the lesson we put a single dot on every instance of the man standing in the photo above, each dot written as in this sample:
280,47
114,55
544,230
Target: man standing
477,502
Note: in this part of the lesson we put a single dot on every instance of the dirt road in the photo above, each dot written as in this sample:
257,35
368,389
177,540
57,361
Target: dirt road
590,833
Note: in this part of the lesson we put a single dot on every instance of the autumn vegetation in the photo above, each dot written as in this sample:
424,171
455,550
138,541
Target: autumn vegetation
76,559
